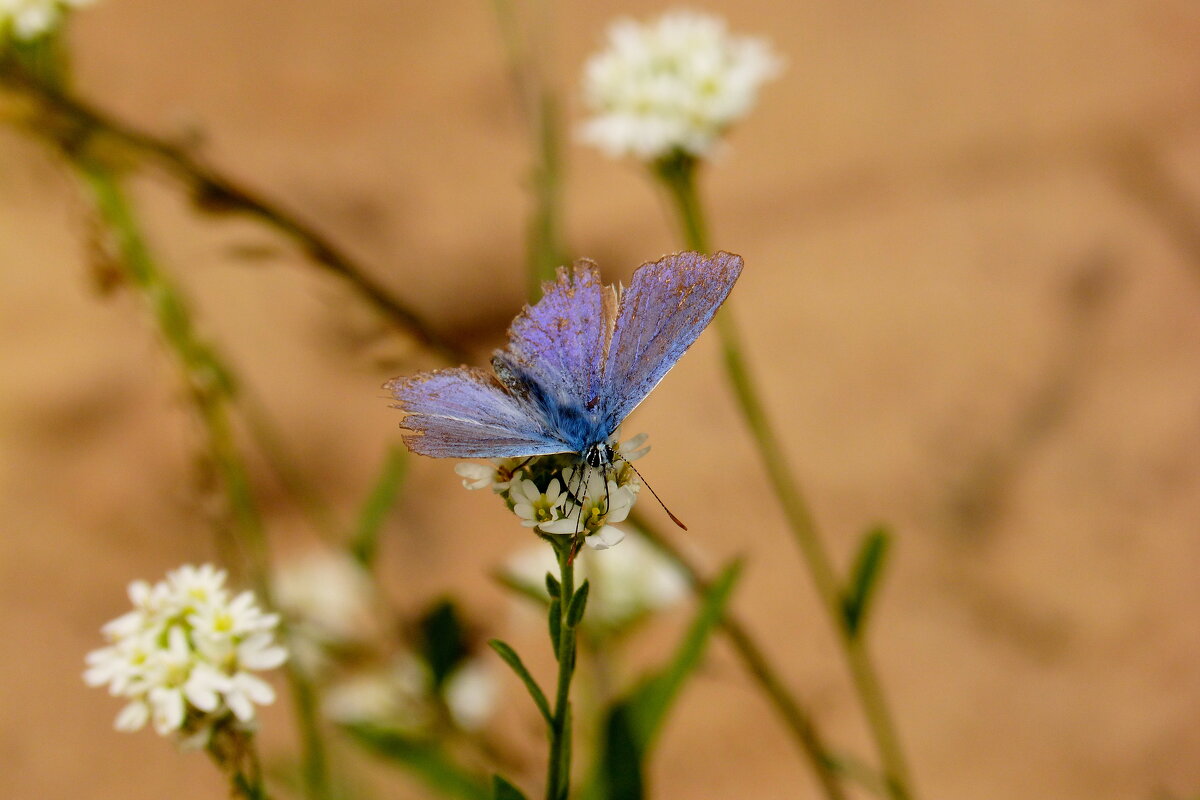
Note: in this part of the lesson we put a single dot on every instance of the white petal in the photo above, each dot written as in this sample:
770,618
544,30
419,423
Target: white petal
132,717
606,537
263,658
240,706
169,710
254,688
561,526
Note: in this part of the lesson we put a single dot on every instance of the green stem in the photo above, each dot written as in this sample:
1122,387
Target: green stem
558,776
232,750
546,249
678,174
212,391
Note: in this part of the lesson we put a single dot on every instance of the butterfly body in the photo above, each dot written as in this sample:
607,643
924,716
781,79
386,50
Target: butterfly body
577,363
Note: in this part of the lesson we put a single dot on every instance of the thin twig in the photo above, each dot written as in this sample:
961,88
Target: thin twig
73,123
799,724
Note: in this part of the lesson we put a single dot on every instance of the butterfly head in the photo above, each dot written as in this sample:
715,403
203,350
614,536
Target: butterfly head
599,455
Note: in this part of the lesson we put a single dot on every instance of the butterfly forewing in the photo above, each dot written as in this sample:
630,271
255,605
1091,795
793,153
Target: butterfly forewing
465,413
556,350
667,305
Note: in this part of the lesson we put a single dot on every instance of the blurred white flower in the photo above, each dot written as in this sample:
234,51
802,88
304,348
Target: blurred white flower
470,693
672,85
401,694
185,656
626,583
29,19
479,476
394,694
326,596
475,476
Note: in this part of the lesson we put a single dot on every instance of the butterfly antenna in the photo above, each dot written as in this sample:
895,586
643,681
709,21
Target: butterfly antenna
582,471
607,501
674,518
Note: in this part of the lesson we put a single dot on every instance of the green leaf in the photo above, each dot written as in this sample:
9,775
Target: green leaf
578,605
503,790
424,759
552,586
530,591
864,578
633,722
555,623
443,640
364,542
513,660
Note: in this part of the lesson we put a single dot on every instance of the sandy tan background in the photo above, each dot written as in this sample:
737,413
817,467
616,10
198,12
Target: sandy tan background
972,294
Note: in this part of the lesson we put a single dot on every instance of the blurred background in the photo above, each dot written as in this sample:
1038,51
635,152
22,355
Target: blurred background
972,297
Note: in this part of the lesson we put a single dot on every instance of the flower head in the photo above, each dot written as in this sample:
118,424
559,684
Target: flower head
184,658
672,86
558,494
603,504
29,19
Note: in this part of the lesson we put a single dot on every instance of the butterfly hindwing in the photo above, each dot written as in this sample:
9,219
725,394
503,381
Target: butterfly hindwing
667,305
465,413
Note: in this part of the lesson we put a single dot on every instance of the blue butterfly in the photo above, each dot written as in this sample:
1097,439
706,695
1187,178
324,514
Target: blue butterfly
577,363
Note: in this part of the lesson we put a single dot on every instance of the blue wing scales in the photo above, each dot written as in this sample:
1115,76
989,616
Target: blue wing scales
465,413
667,305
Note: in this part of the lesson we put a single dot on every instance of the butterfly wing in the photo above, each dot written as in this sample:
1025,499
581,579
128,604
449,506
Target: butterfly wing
465,413
556,350
667,305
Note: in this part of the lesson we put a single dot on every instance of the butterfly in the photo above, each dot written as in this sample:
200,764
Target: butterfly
577,363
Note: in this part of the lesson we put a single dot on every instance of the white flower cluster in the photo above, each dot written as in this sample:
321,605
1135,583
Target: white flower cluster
185,655
672,86
30,19
626,584
555,494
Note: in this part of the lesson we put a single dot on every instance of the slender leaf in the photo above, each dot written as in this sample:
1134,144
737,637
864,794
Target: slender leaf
530,591
552,586
633,722
555,623
578,605
423,758
864,578
443,640
364,543
513,660
503,790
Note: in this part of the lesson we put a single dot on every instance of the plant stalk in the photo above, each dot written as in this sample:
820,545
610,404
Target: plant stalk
678,174
558,777
796,719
